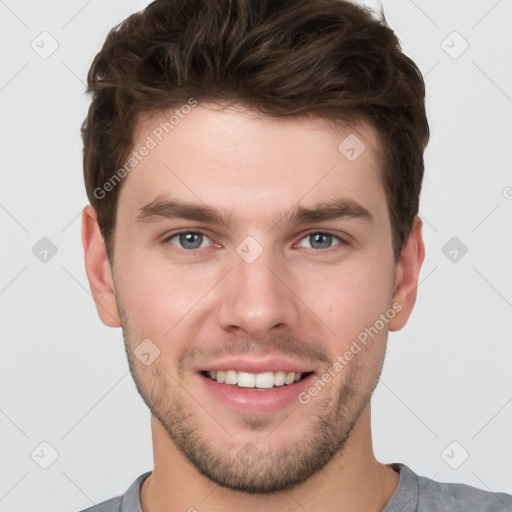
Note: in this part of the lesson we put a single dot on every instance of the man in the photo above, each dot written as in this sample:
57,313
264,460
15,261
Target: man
254,170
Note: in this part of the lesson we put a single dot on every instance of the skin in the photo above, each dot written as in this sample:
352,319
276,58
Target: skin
291,301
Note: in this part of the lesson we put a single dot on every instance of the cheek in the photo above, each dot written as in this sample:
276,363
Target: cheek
157,296
350,298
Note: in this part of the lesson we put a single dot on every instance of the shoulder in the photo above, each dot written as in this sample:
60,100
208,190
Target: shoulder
421,494
128,502
455,497
111,505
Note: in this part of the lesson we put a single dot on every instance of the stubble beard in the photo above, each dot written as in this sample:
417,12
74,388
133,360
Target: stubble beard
249,469
246,468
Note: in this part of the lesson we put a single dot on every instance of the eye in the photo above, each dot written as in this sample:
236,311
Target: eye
319,240
189,240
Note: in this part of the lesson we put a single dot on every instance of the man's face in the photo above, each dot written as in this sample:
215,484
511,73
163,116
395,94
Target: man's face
255,291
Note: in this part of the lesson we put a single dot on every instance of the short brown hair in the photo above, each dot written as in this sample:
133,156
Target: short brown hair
324,58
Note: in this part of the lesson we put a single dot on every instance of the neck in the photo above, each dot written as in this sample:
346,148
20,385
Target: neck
353,480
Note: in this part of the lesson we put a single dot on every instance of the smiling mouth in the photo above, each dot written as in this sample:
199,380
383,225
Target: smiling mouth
258,381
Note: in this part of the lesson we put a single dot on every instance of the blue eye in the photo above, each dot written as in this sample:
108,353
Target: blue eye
319,240
189,240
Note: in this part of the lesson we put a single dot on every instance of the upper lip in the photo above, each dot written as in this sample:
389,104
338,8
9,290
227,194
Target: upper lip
244,364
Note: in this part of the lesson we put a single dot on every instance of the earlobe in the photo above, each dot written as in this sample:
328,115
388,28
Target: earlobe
98,269
406,276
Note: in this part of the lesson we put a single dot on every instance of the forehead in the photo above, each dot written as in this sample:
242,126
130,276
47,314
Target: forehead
234,158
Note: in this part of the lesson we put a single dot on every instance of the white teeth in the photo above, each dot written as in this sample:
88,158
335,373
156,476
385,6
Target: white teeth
230,377
290,377
264,380
280,378
245,380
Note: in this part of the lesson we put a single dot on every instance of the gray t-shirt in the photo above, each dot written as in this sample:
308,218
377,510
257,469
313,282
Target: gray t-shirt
414,494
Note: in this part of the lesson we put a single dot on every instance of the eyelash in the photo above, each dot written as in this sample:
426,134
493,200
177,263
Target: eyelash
197,252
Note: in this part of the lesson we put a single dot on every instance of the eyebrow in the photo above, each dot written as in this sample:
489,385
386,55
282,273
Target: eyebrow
336,209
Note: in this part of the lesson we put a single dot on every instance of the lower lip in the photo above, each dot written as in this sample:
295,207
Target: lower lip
254,400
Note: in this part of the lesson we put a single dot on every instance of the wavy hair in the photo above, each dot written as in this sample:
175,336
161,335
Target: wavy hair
325,58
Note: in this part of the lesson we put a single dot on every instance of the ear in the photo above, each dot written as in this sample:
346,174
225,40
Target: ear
98,269
406,276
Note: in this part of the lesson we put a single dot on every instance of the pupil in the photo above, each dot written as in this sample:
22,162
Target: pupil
190,240
324,240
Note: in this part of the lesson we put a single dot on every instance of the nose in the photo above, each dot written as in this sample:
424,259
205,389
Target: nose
258,298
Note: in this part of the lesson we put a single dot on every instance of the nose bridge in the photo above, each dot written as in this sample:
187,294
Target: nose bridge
256,299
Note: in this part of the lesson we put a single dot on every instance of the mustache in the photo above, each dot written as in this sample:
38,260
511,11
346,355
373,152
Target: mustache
279,345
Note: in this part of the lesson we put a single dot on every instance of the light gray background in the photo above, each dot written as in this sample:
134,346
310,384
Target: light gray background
64,376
